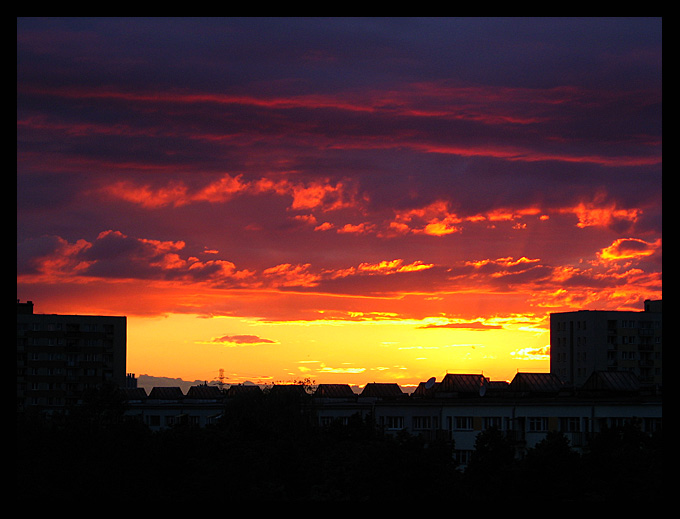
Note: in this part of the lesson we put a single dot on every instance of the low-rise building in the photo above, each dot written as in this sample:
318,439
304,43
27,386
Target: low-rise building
166,407
459,407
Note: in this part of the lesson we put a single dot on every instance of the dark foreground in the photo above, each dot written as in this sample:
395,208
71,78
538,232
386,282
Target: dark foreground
271,451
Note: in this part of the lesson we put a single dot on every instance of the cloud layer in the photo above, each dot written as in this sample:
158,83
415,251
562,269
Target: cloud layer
339,169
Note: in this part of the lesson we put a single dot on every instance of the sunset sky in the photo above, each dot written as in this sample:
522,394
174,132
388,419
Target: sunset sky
348,200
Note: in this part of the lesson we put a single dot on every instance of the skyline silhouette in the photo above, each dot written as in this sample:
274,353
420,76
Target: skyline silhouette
340,199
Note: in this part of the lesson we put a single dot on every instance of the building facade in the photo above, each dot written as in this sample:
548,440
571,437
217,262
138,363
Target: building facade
595,340
166,407
59,357
457,409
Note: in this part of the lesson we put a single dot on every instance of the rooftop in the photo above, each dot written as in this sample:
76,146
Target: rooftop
536,383
618,381
382,390
334,391
456,386
456,383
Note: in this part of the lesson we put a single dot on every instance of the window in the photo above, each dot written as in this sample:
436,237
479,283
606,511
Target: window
425,422
326,421
463,456
463,423
493,421
652,425
619,422
570,424
422,422
537,424
394,422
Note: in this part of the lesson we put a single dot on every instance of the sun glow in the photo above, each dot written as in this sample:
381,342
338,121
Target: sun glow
354,352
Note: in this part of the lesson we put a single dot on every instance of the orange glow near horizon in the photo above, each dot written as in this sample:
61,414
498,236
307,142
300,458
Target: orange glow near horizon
353,352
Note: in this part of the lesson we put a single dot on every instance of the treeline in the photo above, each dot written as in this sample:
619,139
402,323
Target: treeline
269,448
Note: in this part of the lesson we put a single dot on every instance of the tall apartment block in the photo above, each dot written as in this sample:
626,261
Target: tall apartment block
61,356
599,340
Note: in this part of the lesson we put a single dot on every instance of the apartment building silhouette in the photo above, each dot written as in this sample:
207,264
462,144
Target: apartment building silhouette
595,340
59,357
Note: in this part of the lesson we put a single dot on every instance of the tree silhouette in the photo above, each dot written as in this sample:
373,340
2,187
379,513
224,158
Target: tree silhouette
490,474
269,448
623,461
552,469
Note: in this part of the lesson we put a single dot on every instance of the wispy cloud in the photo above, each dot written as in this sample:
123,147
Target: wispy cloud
532,353
240,340
472,325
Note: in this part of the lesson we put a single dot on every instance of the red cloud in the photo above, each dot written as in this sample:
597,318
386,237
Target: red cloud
316,194
287,275
594,215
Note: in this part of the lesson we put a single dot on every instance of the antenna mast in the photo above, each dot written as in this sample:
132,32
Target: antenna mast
220,379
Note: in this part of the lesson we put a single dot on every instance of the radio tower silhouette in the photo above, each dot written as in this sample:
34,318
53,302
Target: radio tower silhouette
220,379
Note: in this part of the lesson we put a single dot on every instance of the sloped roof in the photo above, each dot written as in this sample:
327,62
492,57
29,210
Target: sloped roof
334,391
462,383
166,393
612,381
246,389
204,392
536,383
423,391
133,393
382,390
